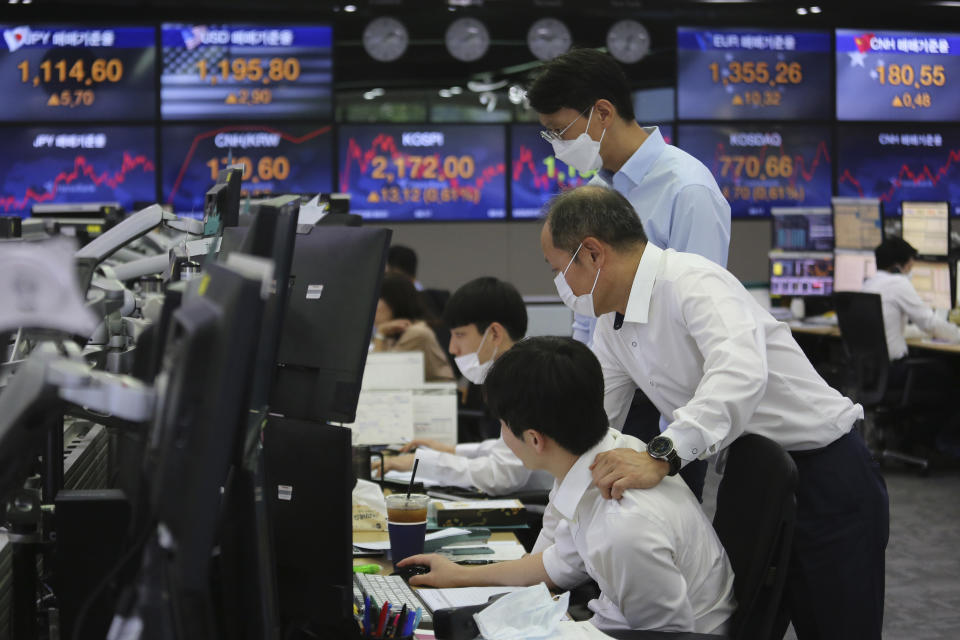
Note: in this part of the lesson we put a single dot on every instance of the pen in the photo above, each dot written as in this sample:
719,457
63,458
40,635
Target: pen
401,622
474,561
392,627
416,618
366,615
384,612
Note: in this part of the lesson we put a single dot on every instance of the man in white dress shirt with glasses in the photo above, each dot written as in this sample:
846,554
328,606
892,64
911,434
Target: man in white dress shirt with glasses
687,333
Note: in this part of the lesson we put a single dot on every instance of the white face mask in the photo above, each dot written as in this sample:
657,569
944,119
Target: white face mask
579,304
469,364
582,153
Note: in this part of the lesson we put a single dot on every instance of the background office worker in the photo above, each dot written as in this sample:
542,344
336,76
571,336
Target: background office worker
687,332
900,301
486,317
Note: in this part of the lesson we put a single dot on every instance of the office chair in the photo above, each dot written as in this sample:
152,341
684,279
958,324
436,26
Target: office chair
755,517
860,318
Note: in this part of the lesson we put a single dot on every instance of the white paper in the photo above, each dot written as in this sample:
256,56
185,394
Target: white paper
403,477
503,550
393,371
461,596
383,545
507,503
383,417
435,412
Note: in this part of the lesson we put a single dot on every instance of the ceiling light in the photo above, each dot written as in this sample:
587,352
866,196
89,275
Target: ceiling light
801,11
516,94
350,8
445,93
814,9
486,84
373,93
456,90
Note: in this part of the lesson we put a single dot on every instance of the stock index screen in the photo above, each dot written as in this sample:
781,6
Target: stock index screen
897,75
897,163
750,74
246,71
62,72
296,158
764,165
42,165
424,172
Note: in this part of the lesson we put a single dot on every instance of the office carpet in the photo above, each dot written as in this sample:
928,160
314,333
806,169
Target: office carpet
923,555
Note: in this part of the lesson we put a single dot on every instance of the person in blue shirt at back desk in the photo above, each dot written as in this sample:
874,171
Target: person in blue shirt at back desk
583,99
486,317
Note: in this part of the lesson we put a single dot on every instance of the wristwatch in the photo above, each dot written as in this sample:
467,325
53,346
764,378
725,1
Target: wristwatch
661,448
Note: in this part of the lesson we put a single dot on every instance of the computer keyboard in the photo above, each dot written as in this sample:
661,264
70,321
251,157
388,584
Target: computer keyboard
390,589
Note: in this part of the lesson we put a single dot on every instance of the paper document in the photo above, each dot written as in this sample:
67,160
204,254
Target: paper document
503,550
393,371
383,417
460,597
382,545
403,477
435,412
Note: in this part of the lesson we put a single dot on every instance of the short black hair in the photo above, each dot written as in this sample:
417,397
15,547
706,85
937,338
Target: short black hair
893,252
486,300
577,79
593,211
401,296
403,259
551,384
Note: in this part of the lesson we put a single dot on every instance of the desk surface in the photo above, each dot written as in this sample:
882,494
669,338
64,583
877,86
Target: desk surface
834,332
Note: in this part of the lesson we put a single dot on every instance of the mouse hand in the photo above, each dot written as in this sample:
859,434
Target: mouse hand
443,572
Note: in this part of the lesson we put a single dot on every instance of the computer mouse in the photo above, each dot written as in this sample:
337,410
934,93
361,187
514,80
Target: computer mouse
411,570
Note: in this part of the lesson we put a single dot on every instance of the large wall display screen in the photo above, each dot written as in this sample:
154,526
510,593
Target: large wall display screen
897,75
61,72
46,165
749,74
424,172
283,159
762,166
211,72
896,164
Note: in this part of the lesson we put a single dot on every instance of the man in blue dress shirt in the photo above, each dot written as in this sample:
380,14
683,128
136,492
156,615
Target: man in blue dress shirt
581,97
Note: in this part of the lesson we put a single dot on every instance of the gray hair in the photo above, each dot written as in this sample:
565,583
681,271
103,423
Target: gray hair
593,211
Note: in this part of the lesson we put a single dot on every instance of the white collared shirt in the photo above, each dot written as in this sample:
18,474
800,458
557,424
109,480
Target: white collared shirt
489,466
901,302
677,200
715,362
654,554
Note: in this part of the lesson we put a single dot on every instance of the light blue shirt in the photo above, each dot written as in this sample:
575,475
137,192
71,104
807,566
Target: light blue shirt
678,202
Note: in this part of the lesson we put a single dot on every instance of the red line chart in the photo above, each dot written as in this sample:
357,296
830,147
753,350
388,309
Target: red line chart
82,168
906,174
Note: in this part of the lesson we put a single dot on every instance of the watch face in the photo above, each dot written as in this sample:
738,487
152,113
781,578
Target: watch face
660,446
385,39
628,41
467,39
548,38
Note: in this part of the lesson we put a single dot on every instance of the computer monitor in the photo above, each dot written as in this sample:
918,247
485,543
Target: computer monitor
326,333
802,228
926,227
857,223
84,221
801,274
852,268
211,348
221,204
932,282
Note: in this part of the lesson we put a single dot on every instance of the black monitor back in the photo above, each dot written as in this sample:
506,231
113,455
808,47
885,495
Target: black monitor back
336,278
221,205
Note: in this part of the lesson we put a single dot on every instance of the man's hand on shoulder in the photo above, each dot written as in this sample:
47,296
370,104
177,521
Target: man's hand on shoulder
617,470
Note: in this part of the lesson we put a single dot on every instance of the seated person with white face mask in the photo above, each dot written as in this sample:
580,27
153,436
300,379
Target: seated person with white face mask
486,317
653,553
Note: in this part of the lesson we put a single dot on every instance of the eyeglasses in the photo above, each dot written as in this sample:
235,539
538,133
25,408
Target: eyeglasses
552,135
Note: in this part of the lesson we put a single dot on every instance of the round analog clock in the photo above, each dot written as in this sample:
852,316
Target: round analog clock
628,41
548,38
467,39
385,39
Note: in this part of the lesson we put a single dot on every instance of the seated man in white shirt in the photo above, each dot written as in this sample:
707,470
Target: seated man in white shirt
654,554
688,334
486,317
900,301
